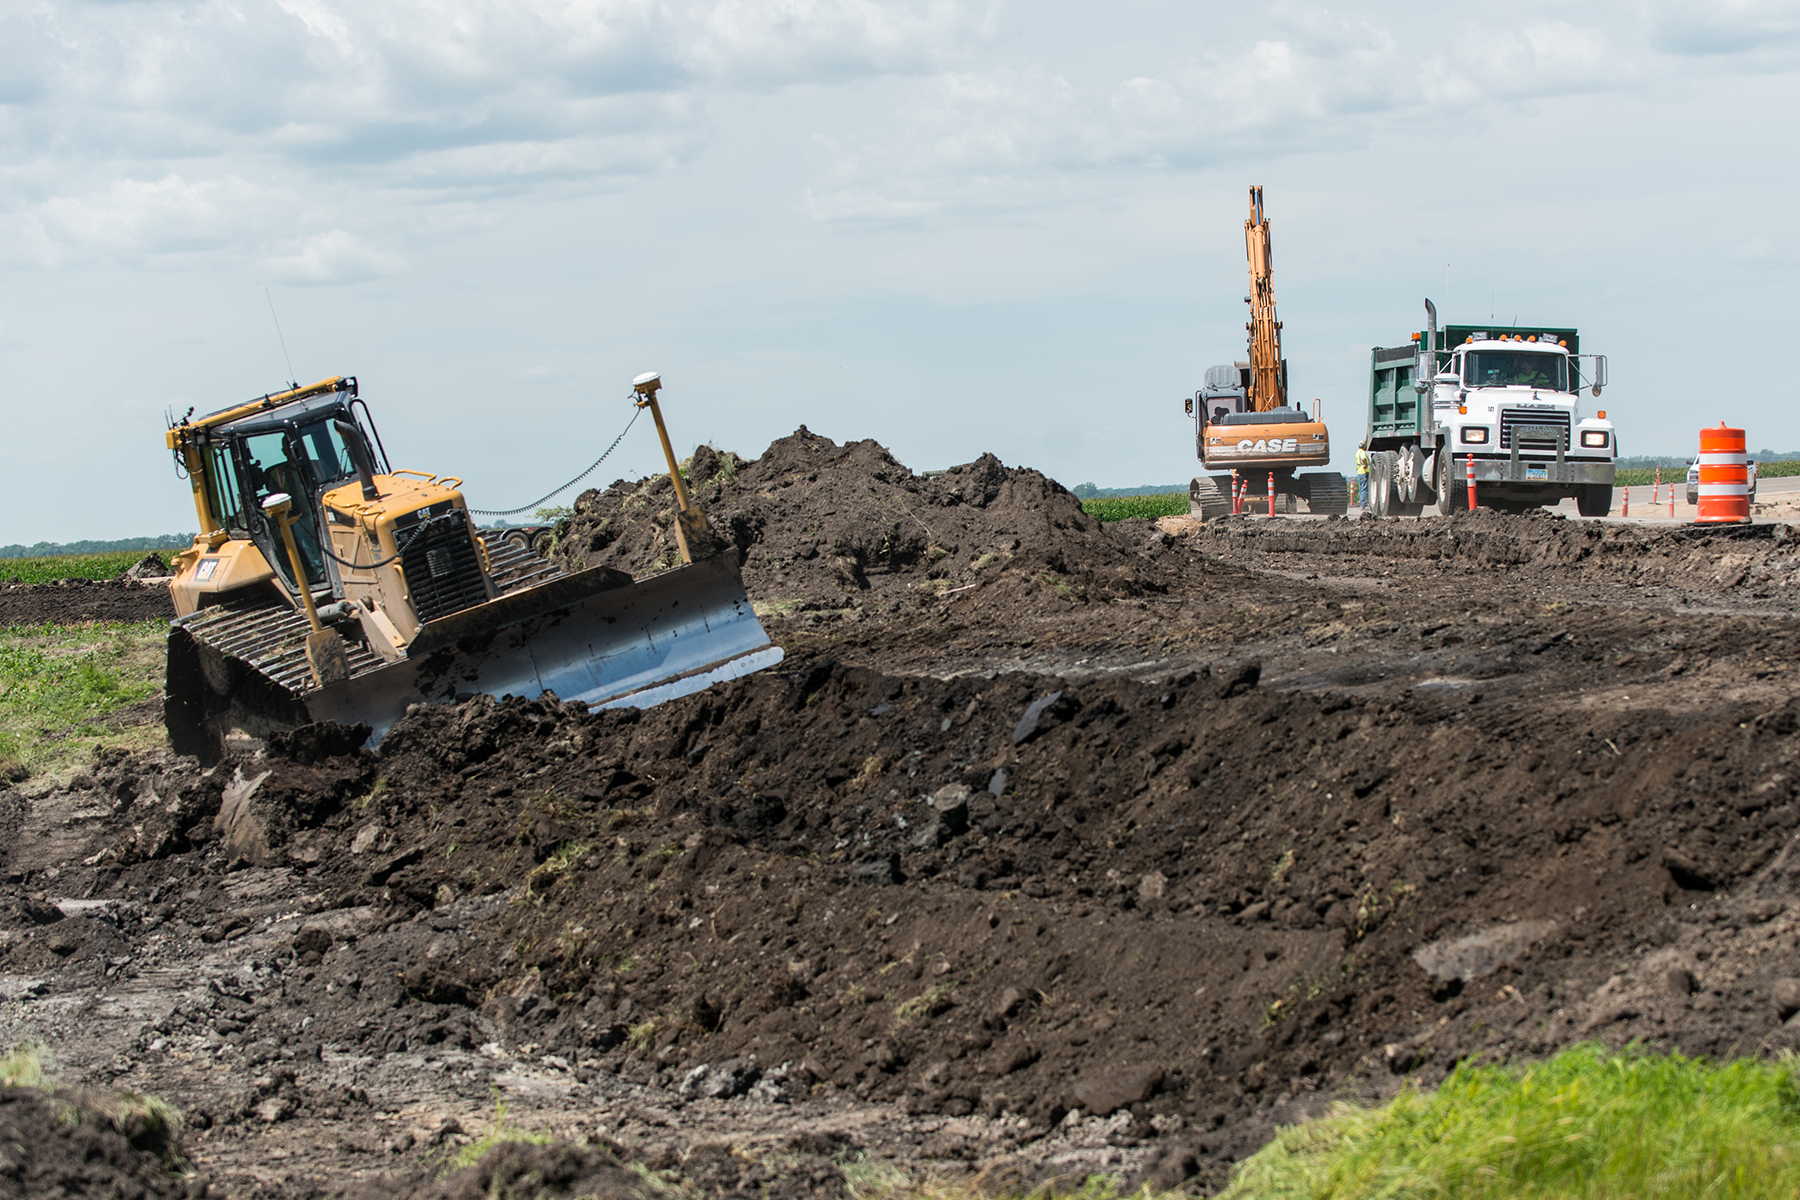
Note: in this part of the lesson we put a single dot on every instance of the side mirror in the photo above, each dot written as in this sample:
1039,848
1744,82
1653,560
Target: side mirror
1188,405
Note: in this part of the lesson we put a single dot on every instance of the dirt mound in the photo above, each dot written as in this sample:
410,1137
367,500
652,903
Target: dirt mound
609,1171
151,566
824,524
1753,560
76,601
999,898
56,1145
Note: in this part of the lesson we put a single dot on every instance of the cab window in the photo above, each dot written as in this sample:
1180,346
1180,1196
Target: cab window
327,458
222,491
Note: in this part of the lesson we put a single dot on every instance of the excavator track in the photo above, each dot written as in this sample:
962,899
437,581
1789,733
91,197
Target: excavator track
1327,492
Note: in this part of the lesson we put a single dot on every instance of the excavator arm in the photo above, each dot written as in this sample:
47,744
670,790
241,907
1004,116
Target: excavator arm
1268,383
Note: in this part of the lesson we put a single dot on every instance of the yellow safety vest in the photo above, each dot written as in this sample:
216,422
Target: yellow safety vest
1362,462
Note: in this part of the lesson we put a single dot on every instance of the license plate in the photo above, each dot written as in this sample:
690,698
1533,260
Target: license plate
1537,472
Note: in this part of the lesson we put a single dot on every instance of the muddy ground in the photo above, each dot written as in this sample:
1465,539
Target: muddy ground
1052,848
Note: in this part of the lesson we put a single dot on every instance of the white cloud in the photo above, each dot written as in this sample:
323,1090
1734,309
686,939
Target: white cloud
332,257
136,219
1724,27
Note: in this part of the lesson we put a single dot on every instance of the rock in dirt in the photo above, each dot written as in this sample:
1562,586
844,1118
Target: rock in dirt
1481,953
1687,870
1033,717
1785,993
719,1081
314,941
1105,1092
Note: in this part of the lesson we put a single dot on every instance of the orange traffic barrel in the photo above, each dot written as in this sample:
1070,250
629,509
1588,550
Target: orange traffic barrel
1724,484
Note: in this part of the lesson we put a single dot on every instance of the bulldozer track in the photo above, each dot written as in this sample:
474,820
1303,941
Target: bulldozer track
271,638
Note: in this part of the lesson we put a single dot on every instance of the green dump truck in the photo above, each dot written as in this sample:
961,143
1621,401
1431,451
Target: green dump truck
1505,399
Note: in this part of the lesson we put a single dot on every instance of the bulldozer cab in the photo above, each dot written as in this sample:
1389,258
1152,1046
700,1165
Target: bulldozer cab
302,451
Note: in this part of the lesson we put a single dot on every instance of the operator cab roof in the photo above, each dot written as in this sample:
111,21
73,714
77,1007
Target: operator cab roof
1274,416
275,418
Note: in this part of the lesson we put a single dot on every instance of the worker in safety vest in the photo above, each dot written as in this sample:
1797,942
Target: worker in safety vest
1362,474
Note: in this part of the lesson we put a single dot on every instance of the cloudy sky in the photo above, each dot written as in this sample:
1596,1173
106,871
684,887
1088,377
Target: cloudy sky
950,225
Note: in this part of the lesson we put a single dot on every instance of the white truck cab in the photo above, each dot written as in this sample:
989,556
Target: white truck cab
1504,405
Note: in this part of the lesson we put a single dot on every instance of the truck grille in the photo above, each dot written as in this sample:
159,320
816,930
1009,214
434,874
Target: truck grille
1535,429
442,571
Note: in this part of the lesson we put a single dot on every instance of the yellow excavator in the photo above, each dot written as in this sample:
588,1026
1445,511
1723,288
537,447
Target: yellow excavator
1245,430
325,585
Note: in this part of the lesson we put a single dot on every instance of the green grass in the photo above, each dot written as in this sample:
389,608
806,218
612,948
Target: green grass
500,1130
1589,1123
1123,508
58,685
71,566
1646,476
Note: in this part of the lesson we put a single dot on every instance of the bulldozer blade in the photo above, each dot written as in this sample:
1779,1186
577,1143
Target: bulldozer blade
594,637
591,637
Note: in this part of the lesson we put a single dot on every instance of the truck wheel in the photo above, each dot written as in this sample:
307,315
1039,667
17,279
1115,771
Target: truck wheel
1452,490
1381,483
1594,500
1207,500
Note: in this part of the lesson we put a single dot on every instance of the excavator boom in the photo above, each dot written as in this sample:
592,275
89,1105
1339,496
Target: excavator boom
1250,440
1268,375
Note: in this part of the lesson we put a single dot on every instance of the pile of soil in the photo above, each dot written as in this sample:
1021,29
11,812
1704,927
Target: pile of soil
57,1144
1759,561
149,567
1189,910
827,525
79,601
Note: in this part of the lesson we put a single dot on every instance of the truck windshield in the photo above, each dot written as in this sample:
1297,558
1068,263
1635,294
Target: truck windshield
1507,368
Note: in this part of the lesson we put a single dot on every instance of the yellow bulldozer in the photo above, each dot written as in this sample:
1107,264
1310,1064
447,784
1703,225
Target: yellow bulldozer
325,585
1247,436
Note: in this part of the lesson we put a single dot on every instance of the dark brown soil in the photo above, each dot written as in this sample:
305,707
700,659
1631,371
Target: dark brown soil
55,1145
823,524
1109,856
77,601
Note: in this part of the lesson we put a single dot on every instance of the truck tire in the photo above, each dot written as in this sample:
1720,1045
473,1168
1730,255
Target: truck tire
1406,476
1452,491
1594,499
1381,483
1208,499
1327,493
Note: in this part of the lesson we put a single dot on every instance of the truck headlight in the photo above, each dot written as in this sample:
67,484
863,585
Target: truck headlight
1474,435
1595,439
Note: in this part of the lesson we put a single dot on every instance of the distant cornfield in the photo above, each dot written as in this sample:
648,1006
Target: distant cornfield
1645,476
1123,508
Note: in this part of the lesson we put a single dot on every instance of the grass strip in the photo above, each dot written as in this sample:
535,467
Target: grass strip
1590,1123
59,683
1646,476
69,566
1124,508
